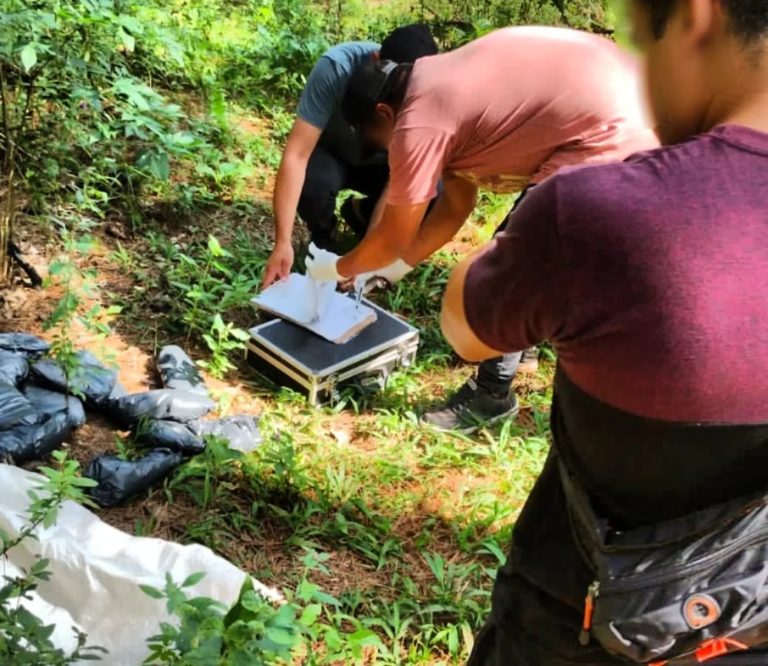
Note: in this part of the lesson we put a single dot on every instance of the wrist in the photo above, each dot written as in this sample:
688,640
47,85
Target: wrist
283,243
344,269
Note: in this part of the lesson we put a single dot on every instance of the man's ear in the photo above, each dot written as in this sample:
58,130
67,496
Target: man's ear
385,111
701,18
376,56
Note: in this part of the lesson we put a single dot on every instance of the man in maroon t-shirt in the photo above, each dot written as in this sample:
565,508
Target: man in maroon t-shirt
650,278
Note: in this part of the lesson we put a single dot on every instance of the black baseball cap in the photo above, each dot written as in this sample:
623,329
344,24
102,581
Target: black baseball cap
408,43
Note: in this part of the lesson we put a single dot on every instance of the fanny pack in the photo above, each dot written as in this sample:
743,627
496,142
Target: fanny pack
677,592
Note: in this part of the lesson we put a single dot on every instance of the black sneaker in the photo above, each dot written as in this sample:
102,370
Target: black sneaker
470,409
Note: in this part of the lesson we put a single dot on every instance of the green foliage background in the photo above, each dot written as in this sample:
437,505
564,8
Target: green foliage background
89,86
129,111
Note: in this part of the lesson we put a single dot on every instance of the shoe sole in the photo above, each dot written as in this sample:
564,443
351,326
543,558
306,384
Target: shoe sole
471,430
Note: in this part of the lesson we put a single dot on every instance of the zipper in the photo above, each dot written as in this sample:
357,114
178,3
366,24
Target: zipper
589,613
670,573
662,576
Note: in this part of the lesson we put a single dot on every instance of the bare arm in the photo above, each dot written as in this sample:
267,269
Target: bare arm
290,180
516,291
378,211
400,233
385,242
449,213
453,318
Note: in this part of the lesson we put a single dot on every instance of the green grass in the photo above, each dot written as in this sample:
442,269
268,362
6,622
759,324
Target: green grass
409,524
400,528
393,529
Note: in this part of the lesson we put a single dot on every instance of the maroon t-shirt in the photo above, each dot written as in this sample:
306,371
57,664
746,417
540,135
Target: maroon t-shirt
650,278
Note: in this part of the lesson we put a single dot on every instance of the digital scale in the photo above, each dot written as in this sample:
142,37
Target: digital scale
294,357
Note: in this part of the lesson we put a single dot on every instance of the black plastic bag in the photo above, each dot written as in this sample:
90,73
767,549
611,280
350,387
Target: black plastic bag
48,403
91,379
13,367
177,371
29,345
170,435
118,391
161,404
15,409
32,442
120,480
242,432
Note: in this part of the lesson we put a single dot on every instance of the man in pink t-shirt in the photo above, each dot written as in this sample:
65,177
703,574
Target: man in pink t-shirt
501,113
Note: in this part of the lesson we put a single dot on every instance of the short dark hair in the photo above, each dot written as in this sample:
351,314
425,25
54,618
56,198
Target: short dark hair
375,82
749,18
408,43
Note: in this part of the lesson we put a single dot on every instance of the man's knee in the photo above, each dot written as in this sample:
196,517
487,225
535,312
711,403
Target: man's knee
317,210
323,181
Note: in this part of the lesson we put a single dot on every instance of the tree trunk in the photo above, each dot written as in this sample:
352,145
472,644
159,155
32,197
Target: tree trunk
7,212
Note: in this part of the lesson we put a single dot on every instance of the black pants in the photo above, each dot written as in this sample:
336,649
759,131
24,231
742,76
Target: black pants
326,176
539,594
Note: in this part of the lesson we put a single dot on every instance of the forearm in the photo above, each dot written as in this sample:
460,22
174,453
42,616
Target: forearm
385,242
378,211
440,226
448,214
379,248
288,186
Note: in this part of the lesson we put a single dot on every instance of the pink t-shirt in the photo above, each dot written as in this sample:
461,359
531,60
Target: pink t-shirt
513,107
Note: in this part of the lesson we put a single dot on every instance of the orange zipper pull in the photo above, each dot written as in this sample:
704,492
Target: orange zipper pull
589,613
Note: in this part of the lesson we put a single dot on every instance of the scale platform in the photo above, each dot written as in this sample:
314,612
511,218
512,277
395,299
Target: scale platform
294,357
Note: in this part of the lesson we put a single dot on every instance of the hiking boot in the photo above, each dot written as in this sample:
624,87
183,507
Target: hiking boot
529,361
472,408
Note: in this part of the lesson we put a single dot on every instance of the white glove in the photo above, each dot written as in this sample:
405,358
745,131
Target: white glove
393,273
321,265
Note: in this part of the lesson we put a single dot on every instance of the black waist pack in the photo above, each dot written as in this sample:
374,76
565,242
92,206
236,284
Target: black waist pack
677,592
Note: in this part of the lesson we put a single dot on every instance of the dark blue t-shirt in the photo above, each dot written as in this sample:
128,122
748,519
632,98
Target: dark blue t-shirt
321,99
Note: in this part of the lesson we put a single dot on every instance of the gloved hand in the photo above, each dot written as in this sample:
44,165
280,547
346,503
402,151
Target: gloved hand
321,265
393,273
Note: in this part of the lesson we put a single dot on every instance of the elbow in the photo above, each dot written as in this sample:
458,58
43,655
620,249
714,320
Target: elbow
459,336
295,158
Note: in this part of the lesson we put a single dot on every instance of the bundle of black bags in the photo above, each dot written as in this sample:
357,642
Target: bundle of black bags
41,402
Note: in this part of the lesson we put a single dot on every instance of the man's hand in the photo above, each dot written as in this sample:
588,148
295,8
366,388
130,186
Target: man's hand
321,265
279,265
393,273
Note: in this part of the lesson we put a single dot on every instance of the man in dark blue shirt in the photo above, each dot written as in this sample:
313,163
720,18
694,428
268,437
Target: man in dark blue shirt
323,156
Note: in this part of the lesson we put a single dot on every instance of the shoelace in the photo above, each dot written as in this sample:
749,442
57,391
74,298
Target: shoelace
464,395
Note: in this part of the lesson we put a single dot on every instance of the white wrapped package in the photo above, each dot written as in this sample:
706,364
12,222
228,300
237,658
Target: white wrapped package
96,573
